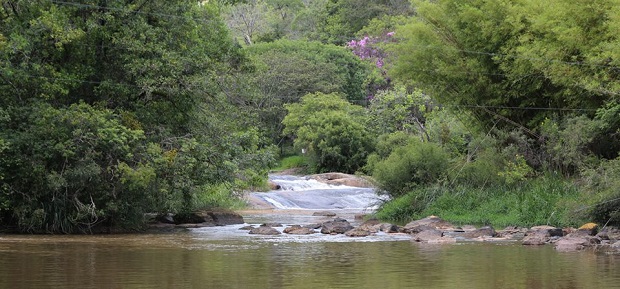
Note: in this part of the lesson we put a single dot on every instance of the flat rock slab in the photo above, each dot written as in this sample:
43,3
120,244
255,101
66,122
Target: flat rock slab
264,231
324,214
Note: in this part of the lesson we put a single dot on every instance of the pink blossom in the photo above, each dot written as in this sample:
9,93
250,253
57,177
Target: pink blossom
390,34
379,63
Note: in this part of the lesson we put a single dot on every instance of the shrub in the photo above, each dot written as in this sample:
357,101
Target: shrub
417,163
602,185
331,131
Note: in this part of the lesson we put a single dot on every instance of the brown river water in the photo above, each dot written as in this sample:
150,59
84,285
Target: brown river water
226,257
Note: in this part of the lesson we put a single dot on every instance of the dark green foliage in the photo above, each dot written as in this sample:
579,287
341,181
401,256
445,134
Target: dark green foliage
62,169
287,70
116,109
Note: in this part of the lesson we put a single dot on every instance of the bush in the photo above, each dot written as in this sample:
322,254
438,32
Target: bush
331,131
408,206
62,169
602,185
409,166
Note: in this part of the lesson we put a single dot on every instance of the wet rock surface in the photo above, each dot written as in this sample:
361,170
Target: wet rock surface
198,219
264,230
337,226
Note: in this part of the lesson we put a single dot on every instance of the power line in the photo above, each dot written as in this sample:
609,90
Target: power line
521,107
359,101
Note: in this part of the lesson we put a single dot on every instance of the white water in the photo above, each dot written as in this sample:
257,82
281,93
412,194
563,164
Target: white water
301,193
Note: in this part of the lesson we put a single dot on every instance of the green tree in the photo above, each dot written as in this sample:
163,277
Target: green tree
124,105
287,70
490,53
330,130
346,17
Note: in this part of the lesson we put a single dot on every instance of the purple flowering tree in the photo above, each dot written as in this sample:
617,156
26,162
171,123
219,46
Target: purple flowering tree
370,49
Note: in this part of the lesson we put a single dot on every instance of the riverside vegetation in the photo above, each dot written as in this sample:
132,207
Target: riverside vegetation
483,112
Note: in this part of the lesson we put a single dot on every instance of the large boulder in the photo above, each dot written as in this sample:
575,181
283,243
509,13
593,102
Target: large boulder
552,231
433,236
589,229
431,222
324,214
336,226
569,244
224,218
484,232
193,218
536,238
264,230
167,218
609,233
298,230
358,232
515,233
374,226
342,179
273,186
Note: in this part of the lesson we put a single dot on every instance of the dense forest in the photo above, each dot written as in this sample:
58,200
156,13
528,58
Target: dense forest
503,112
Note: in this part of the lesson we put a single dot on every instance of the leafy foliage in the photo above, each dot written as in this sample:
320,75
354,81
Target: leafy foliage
415,164
114,110
330,130
287,70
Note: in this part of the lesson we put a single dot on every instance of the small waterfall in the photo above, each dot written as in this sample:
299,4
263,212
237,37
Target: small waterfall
302,193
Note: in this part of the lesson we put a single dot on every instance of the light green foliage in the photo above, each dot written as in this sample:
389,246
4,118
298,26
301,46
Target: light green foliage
250,20
218,196
512,54
331,130
346,17
546,200
400,110
415,164
386,143
573,43
292,162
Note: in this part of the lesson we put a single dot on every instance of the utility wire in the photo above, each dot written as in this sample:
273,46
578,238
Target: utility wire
359,101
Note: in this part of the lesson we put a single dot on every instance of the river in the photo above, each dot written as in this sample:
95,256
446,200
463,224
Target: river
226,257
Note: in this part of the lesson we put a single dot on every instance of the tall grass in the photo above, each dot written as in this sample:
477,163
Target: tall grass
541,201
217,197
290,162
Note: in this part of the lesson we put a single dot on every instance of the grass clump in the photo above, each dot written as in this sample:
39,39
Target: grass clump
544,200
219,196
